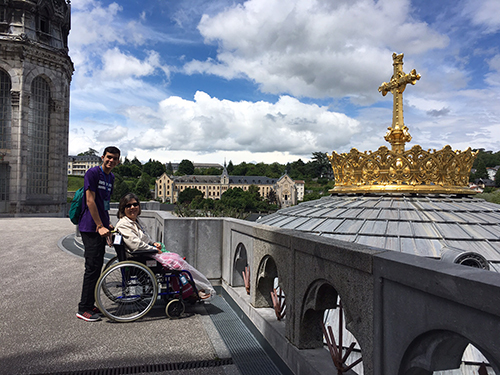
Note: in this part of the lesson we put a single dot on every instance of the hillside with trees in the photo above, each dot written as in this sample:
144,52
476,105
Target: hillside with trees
133,176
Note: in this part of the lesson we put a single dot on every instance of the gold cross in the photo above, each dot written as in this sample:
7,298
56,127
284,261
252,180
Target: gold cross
398,134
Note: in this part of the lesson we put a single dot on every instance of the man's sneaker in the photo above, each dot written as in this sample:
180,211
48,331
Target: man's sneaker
88,316
96,310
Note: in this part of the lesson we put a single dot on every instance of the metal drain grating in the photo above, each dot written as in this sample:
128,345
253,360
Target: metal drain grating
144,369
247,353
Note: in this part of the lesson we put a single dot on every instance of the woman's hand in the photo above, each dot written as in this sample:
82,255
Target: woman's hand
158,247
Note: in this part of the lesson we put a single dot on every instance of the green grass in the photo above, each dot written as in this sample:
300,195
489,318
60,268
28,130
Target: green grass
75,183
493,196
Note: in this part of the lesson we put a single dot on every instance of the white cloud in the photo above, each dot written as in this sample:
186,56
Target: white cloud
117,64
484,13
208,124
313,48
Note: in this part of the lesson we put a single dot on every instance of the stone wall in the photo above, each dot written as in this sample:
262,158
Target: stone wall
409,314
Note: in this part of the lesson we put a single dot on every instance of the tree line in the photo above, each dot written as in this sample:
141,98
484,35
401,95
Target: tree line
485,159
138,178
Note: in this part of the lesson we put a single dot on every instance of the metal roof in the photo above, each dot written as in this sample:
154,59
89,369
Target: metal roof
416,224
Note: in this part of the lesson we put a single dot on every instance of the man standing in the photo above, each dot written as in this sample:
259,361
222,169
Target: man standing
95,228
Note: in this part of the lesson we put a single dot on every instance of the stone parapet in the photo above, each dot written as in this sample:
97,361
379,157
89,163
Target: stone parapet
405,311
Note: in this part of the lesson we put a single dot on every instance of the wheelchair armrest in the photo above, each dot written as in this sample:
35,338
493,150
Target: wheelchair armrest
142,252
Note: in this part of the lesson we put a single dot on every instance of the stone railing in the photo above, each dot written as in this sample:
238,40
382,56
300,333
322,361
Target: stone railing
409,314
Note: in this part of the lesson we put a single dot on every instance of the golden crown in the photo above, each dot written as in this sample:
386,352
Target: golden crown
416,170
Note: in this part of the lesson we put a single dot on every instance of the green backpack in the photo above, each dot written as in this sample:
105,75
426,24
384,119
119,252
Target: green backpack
75,210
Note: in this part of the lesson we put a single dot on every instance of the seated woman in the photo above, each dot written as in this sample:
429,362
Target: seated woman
136,238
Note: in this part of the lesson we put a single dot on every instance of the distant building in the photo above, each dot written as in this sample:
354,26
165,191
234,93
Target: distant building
300,186
175,166
492,172
168,188
35,76
78,165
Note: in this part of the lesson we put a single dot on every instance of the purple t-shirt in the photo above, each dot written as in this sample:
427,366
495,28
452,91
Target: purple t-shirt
102,185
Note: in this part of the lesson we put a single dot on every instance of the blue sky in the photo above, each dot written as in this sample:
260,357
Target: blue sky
275,80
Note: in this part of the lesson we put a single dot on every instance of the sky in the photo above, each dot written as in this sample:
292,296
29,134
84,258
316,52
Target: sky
276,80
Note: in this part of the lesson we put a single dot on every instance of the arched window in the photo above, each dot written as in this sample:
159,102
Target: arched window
5,107
38,133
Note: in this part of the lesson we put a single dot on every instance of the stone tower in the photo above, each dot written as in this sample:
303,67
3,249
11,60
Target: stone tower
35,76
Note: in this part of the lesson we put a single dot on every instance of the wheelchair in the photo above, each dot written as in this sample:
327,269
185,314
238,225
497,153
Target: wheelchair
131,283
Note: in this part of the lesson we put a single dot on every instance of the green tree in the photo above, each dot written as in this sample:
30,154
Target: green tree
135,171
170,169
89,152
240,169
230,167
188,195
497,178
481,171
120,188
142,188
185,168
136,161
154,168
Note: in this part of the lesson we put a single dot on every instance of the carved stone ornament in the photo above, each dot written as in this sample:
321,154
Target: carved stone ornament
414,171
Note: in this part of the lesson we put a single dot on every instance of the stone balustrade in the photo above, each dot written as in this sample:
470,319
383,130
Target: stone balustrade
409,314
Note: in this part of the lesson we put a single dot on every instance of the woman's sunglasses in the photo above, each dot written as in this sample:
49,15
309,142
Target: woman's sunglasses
132,205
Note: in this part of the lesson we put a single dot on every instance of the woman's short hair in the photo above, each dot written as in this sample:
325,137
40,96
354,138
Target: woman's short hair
124,201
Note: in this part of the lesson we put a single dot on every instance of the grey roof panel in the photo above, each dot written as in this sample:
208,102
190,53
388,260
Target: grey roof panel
292,224
329,225
389,214
410,215
377,227
336,212
421,246
311,224
352,213
280,221
370,213
433,216
423,229
451,230
399,228
374,241
350,226
479,231
392,243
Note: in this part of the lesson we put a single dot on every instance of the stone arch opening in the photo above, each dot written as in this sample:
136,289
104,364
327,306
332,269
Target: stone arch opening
266,275
320,296
322,307
439,350
240,261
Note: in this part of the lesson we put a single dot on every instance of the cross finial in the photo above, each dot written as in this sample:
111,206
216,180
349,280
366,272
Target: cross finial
398,133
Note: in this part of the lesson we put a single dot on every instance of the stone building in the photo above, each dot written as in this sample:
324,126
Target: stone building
78,165
167,188
35,76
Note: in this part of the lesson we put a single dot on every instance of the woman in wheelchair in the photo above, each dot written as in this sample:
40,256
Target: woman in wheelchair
136,238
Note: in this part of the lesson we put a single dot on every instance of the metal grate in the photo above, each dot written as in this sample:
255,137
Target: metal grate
152,368
248,354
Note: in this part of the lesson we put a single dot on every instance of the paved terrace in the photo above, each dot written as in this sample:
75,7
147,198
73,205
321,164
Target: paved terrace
40,334
409,314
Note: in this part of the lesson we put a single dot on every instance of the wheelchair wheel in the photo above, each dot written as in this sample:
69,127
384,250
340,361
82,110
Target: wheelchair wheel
175,308
126,291
111,262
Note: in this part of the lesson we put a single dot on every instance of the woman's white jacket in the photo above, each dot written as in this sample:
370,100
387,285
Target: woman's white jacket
134,236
